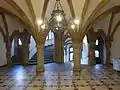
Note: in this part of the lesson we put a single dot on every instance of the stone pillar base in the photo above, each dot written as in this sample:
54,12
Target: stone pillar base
108,64
9,62
25,64
76,69
40,69
58,61
9,65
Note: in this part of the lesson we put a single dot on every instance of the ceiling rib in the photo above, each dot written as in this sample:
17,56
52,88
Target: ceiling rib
22,13
5,24
44,8
71,8
31,10
3,10
92,16
85,9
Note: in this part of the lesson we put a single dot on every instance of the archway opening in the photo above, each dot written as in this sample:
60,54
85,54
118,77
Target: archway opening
100,50
84,56
32,51
49,48
68,49
16,50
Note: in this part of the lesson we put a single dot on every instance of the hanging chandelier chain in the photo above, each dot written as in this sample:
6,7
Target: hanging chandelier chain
58,6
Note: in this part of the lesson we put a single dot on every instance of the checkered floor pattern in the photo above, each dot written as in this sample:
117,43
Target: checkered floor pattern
96,77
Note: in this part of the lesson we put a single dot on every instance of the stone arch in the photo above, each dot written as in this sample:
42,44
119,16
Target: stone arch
100,33
15,33
3,10
3,34
115,29
22,13
115,10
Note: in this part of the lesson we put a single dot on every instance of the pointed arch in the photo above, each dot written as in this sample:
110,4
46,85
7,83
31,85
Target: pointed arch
115,9
22,13
3,34
15,33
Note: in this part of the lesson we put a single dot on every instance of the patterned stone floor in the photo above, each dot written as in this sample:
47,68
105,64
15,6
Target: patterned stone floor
59,77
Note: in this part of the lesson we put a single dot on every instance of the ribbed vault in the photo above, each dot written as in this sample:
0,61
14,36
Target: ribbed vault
29,11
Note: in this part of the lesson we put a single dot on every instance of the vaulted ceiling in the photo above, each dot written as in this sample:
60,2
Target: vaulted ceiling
29,11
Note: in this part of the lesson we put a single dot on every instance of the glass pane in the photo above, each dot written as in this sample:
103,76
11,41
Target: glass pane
52,35
71,49
19,42
71,56
96,42
85,40
96,53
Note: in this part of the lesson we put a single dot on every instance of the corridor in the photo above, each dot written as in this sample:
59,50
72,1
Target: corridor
59,77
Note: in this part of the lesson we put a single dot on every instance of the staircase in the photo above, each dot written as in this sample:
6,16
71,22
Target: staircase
48,55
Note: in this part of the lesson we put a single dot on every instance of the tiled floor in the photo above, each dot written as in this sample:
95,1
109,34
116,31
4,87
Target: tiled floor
59,77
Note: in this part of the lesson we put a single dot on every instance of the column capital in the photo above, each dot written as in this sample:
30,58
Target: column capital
39,46
108,43
92,41
77,45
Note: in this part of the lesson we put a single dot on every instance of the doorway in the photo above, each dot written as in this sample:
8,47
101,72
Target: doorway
100,50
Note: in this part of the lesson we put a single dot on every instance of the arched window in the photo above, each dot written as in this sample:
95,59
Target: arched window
96,53
97,42
85,40
71,54
19,42
84,59
47,38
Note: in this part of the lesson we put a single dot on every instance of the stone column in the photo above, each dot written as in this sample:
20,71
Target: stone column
59,47
108,52
91,54
40,57
25,52
8,52
77,56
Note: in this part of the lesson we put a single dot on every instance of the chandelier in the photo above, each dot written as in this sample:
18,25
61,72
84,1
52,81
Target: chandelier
58,20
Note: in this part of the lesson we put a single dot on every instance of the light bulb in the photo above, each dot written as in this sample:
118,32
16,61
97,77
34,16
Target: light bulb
57,28
73,26
58,18
76,22
39,22
43,26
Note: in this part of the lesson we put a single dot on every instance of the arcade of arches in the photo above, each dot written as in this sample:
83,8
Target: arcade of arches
84,59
